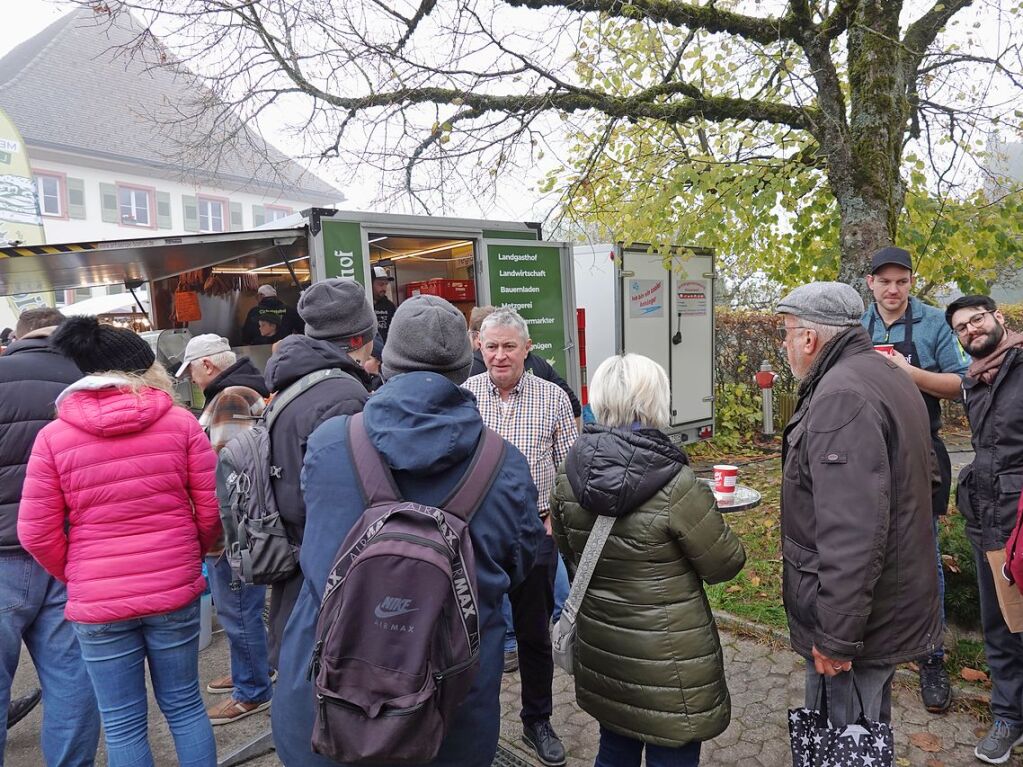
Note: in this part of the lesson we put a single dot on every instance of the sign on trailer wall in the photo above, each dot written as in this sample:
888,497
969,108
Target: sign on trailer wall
342,250
527,277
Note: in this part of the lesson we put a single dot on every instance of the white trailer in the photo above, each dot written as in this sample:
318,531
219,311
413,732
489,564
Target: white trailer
661,307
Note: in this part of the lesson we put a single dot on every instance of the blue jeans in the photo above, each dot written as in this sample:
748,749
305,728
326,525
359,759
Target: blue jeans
561,589
240,612
622,751
32,609
116,655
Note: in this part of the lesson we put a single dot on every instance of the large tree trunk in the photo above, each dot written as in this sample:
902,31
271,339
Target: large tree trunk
866,178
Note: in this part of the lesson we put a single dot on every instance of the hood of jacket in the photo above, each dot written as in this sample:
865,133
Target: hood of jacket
35,344
241,373
299,355
421,422
99,405
615,471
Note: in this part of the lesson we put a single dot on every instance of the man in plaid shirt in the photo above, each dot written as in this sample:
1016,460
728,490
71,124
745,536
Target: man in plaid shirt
536,417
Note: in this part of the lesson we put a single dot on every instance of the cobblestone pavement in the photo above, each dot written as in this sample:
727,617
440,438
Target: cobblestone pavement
764,679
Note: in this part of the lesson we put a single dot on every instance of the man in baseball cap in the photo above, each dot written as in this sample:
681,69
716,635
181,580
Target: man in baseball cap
270,320
860,585
382,305
235,395
916,338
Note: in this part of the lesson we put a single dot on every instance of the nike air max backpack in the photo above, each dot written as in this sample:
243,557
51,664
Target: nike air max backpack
398,633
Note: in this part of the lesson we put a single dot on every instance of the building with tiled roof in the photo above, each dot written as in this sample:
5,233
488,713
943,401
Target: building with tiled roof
99,105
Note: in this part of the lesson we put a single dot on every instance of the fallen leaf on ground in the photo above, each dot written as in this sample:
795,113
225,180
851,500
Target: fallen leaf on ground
979,732
934,763
755,581
973,675
925,741
902,762
950,563
733,589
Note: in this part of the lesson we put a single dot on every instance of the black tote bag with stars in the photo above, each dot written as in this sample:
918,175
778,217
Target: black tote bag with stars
815,743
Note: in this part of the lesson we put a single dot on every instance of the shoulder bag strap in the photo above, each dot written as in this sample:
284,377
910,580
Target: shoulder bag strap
587,563
375,479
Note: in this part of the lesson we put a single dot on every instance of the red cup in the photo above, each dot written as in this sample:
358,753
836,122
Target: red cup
886,349
725,479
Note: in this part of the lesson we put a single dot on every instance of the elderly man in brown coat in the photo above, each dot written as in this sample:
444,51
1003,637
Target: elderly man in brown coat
860,588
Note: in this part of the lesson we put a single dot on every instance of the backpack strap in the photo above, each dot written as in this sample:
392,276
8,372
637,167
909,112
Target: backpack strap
375,479
472,488
302,385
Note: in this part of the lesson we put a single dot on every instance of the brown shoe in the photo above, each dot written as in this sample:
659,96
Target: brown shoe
221,685
232,710
225,685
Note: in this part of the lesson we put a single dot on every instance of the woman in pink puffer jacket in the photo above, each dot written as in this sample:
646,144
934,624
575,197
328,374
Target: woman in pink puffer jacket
120,503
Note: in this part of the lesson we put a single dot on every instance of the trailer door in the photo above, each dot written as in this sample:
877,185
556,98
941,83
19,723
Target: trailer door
537,279
667,313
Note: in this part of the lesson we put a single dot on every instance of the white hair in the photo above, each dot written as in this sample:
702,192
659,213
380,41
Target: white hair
824,332
630,388
505,317
221,360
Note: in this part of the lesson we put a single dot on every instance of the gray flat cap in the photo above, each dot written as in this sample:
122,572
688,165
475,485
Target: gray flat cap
826,303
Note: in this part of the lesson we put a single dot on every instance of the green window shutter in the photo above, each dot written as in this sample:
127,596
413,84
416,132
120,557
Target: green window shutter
236,217
163,210
108,198
190,207
75,198
258,215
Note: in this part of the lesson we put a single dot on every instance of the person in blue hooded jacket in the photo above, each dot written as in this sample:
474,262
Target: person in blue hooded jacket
426,428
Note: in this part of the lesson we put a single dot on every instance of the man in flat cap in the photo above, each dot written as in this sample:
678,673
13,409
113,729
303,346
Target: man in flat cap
860,588
923,347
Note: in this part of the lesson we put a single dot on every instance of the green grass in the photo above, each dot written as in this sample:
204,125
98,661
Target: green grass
756,593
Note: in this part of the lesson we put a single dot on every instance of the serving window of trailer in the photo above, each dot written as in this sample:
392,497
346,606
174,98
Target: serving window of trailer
433,265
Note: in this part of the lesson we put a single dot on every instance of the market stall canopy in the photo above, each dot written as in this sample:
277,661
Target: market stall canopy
41,268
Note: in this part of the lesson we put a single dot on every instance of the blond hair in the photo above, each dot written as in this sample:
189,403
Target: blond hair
156,377
630,388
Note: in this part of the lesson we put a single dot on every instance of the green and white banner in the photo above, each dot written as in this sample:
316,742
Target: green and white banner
527,278
342,250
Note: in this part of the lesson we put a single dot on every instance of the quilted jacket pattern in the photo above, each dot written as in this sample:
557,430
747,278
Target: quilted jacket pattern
648,658
120,502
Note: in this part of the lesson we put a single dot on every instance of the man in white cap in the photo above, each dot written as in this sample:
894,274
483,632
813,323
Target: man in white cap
235,393
860,588
270,320
382,305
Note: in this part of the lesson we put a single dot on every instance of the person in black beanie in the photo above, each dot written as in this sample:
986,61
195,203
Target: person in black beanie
97,348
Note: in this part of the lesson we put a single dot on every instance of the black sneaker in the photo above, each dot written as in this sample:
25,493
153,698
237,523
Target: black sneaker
935,688
545,742
511,661
996,746
21,707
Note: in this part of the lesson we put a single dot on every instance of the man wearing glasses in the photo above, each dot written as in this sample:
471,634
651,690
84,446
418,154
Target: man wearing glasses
988,495
925,349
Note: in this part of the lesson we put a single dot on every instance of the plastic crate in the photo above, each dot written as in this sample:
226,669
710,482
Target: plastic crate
452,290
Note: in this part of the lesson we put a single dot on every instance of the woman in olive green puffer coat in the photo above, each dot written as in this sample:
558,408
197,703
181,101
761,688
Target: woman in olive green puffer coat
648,662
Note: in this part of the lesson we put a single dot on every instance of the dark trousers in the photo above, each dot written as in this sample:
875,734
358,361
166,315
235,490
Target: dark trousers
622,751
532,604
874,683
1004,649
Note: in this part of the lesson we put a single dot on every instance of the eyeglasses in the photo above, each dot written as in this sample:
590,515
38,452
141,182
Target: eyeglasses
781,333
975,321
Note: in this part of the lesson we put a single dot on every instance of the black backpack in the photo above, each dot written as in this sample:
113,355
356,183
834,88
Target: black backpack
398,634
257,544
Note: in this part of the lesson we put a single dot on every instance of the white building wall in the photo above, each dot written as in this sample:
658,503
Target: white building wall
93,227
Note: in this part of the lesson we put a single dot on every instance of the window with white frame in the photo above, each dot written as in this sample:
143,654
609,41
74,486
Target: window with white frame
50,194
211,215
273,212
135,206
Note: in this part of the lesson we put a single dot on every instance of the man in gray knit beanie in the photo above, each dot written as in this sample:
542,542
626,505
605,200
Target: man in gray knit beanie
428,333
